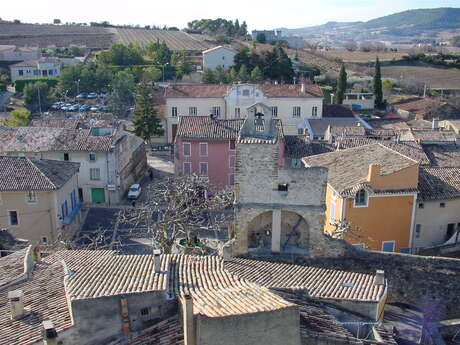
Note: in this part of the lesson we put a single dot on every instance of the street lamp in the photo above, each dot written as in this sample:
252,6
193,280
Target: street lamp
167,63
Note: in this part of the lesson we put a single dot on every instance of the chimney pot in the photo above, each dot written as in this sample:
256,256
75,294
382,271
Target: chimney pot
157,260
16,304
380,277
189,325
49,333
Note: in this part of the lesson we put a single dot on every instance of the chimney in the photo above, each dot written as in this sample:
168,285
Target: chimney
16,304
374,171
49,333
302,87
379,277
435,124
157,260
188,320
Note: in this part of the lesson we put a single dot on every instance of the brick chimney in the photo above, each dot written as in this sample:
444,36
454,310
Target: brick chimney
188,320
379,277
374,172
16,304
49,333
157,260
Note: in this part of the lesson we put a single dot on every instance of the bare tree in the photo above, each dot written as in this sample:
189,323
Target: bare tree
343,228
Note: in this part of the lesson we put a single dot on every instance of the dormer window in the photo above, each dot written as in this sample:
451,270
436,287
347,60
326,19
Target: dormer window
361,198
283,187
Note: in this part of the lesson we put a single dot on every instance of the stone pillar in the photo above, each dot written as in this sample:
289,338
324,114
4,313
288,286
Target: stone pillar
276,231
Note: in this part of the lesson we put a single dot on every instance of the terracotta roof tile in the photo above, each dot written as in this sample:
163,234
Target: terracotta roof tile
203,127
443,155
439,183
12,267
24,174
429,135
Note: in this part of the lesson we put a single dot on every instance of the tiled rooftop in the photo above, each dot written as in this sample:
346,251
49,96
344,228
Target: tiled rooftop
388,124
429,135
55,123
443,155
24,174
349,168
318,127
220,90
336,110
41,139
439,184
12,267
206,128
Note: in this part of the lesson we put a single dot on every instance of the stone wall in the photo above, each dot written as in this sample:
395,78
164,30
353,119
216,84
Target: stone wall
429,283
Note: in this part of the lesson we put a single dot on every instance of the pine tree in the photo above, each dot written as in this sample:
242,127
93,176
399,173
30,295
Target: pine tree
146,122
233,75
243,74
257,75
341,86
237,27
377,85
209,76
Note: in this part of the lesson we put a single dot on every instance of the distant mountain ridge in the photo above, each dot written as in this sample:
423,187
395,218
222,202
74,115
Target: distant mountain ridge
406,23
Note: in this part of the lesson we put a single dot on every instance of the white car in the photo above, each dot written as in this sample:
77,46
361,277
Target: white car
134,191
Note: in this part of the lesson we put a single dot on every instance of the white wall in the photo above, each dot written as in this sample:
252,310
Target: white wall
218,57
34,72
433,220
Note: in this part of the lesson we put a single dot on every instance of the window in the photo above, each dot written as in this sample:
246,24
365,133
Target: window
73,199
92,157
21,72
283,187
187,168
296,163
300,131
450,231
237,113
204,169
405,250
421,205
50,72
418,230
332,213
64,210
245,92
145,311
216,111
174,111
192,111
203,149
275,111
359,246
231,179
296,112
314,111
66,156
14,220
442,204
361,198
388,246
94,174
35,71
187,149
232,145
45,240
31,197
231,161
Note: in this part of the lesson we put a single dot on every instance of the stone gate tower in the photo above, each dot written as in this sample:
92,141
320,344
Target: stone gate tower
278,209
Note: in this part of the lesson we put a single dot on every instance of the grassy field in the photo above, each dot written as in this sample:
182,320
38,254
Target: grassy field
362,57
436,78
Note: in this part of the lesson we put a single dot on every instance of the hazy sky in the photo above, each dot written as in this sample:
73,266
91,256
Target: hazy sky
259,14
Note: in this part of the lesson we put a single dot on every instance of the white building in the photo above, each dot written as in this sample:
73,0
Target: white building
15,53
110,159
290,103
43,67
438,207
218,56
358,100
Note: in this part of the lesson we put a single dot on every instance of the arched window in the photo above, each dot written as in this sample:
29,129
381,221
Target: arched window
361,198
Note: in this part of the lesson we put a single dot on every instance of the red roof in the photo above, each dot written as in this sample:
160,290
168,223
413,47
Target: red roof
220,90
203,127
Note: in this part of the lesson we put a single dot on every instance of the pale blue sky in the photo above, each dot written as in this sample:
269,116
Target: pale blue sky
259,14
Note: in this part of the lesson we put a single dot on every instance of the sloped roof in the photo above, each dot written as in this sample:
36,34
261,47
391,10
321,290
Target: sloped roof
24,174
439,183
34,63
219,47
447,155
41,139
319,126
349,168
337,110
430,135
204,127
55,123
220,90
12,266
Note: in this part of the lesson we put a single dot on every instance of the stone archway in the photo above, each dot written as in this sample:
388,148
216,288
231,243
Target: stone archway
278,231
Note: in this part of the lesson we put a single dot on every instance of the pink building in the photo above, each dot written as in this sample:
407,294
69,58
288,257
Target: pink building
206,147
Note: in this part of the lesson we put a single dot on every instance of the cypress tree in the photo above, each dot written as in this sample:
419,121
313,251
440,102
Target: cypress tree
341,86
146,122
377,85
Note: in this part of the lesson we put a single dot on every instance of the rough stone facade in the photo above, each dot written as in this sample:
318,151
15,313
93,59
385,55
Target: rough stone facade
279,209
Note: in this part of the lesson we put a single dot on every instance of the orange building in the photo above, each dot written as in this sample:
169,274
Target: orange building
374,189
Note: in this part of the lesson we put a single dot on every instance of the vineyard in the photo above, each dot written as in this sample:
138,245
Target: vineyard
175,40
44,35
363,57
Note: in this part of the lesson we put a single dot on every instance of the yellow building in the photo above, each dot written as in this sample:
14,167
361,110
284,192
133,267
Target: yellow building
374,189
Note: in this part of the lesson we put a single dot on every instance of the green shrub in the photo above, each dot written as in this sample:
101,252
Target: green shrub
19,84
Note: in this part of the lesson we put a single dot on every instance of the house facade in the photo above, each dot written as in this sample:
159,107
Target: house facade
110,160
39,198
437,217
218,56
206,147
43,67
373,189
292,104
15,53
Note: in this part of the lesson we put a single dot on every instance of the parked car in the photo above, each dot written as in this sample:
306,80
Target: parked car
134,191
82,95
56,106
74,107
92,95
104,108
95,108
85,107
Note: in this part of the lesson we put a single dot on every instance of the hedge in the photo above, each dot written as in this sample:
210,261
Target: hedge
19,84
